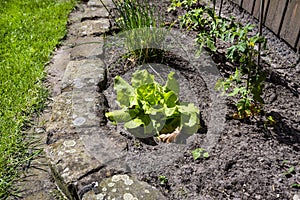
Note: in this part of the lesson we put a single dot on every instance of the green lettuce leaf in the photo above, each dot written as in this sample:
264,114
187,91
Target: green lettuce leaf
190,123
149,94
172,84
141,77
170,111
125,93
135,123
123,115
170,99
187,108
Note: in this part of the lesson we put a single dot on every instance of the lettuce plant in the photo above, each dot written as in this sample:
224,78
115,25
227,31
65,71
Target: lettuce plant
150,109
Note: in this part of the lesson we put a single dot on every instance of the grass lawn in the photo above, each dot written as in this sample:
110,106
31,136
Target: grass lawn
29,32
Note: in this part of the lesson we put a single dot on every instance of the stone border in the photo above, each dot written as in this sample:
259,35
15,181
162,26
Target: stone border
76,75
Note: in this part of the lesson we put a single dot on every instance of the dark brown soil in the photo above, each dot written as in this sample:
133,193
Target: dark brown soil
250,160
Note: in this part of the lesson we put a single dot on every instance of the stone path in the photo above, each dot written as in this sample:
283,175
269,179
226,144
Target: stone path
81,158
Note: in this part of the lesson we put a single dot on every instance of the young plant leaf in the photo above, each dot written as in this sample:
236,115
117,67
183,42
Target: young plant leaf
125,93
290,171
200,153
140,78
170,99
123,115
135,123
296,185
187,108
172,84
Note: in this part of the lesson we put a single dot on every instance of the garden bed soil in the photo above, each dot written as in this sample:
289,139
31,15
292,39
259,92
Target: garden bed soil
250,159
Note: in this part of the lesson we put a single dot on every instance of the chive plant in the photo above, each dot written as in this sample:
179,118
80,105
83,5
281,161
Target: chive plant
140,21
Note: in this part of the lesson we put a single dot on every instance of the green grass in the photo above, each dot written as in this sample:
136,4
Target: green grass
29,32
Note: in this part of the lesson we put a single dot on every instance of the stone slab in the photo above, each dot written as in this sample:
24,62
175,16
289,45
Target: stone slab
70,159
56,69
61,115
85,109
92,12
90,28
83,74
98,3
87,48
36,181
88,13
123,187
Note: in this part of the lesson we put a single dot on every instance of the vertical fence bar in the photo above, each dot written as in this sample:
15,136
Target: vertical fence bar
297,44
253,7
221,4
261,19
214,2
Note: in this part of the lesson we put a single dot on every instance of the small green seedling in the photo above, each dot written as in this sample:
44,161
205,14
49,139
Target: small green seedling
285,162
200,153
163,180
296,185
270,121
289,172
